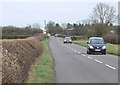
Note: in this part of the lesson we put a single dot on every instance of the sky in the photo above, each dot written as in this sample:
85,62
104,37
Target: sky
21,13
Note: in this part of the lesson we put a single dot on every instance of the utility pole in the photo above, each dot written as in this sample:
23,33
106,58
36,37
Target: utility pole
45,24
45,31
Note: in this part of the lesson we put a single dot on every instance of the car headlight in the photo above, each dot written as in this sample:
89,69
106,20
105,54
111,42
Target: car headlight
64,40
91,47
104,47
70,40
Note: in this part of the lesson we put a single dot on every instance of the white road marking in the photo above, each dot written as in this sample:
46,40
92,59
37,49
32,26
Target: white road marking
72,49
98,61
79,52
90,57
83,55
75,50
110,66
68,47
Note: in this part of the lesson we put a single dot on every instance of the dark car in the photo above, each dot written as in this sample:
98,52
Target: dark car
67,40
96,45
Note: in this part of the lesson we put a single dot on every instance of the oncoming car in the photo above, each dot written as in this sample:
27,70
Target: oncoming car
96,44
67,40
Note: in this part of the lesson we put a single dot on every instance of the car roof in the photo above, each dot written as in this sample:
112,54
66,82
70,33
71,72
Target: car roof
95,38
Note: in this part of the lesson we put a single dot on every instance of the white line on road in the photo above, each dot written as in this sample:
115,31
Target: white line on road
79,52
72,49
90,57
75,50
68,47
98,61
110,66
83,55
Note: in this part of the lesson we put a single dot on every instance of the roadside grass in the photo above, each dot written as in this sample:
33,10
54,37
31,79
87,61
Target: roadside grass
43,70
7,39
111,48
81,42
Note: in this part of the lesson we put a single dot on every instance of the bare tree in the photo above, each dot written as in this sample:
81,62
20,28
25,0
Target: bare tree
119,13
103,13
36,25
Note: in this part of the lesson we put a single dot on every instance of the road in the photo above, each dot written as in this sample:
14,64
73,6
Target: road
73,65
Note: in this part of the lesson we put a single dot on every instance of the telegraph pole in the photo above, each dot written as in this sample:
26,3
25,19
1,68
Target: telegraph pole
45,24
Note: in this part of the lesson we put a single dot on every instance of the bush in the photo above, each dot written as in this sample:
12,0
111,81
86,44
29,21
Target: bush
112,38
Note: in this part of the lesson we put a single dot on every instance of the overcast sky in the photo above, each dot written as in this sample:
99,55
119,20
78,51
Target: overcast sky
23,12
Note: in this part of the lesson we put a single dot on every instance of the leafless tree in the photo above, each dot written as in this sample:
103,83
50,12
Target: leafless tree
119,13
36,25
103,13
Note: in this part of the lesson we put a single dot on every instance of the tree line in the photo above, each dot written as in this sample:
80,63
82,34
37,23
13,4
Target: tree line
98,24
20,32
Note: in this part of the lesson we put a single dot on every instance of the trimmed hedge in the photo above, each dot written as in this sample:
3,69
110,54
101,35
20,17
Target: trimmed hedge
17,57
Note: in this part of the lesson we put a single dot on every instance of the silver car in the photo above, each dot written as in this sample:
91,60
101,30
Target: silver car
67,40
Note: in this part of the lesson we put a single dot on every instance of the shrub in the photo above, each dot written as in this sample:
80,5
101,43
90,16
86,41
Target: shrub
112,38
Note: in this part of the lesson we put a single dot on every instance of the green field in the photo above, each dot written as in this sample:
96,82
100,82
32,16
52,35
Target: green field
111,48
43,70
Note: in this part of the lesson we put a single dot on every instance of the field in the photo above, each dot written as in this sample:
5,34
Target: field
111,48
43,70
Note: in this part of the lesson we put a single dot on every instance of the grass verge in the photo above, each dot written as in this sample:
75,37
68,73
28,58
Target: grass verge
43,70
111,48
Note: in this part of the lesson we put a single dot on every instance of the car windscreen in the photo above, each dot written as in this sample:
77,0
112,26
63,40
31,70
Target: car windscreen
96,41
67,38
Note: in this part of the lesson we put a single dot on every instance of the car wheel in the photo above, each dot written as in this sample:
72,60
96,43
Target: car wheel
88,52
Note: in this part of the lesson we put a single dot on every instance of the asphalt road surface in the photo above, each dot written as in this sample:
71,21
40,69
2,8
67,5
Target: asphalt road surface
73,65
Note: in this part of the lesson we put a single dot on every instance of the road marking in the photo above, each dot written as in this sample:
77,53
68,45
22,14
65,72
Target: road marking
98,61
72,49
75,50
90,57
110,66
83,55
68,47
79,52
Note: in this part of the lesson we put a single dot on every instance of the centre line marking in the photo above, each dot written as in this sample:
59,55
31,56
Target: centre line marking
83,55
110,66
75,50
90,57
98,61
